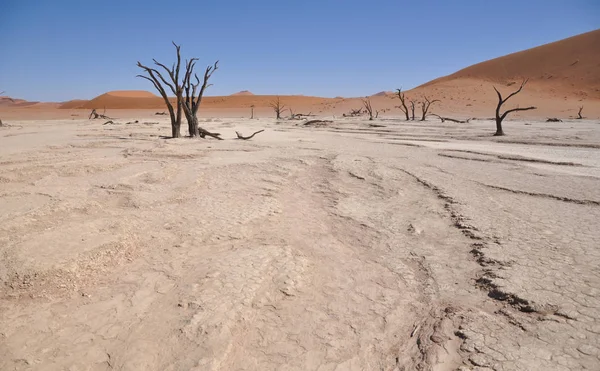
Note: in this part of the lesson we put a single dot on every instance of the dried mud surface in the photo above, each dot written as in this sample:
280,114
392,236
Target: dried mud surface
412,246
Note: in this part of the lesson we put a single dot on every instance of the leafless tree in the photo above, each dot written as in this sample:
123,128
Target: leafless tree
278,107
579,117
501,101
187,104
252,112
369,107
159,82
412,109
403,107
425,107
193,96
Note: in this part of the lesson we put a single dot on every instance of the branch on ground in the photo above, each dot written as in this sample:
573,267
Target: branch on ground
240,136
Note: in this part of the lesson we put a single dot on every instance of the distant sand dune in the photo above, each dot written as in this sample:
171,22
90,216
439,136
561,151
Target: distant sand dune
563,76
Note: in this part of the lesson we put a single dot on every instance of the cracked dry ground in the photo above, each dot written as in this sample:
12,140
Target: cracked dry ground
414,247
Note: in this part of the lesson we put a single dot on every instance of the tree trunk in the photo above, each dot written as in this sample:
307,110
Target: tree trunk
193,127
176,130
499,131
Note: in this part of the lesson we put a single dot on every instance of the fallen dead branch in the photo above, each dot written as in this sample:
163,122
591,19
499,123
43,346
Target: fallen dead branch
354,113
240,136
317,122
161,113
204,133
110,122
554,119
444,119
95,115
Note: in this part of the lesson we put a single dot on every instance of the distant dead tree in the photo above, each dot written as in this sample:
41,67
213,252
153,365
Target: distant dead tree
192,100
425,107
501,101
278,107
187,104
95,115
579,117
403,107
252,112
412,109
369,108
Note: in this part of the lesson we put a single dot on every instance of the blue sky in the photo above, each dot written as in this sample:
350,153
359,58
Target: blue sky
64,49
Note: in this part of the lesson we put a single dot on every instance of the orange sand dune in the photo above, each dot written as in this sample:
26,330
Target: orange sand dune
131,94
562,75
570,65
112,101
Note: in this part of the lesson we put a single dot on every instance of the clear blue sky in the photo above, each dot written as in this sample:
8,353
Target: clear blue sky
63,49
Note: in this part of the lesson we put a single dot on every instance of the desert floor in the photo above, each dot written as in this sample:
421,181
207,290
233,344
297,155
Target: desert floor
405,246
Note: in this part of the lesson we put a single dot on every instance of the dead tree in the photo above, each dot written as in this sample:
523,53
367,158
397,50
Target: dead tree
403,107
278,107
579,117
159,82
501,101
425,107
192,100
95,115
412,109
240,136
252,112
368,107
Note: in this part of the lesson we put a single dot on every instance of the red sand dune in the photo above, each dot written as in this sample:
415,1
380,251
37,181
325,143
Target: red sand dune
563,75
